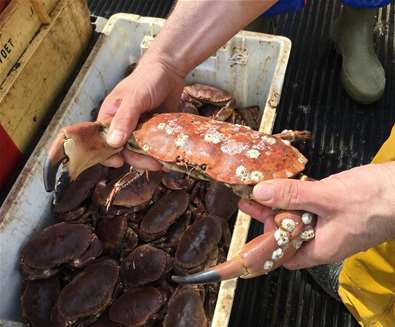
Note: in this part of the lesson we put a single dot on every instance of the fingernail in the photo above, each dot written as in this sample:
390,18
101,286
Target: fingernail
115,138
264,191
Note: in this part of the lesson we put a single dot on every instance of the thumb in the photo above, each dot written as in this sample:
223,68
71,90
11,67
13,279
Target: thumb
303,258
123,122
290,194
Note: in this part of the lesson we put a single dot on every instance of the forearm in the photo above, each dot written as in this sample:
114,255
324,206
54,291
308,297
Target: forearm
197,28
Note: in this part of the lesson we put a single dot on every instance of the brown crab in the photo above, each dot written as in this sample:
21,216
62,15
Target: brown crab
210,150
37,301
77,192
185,309
72,244
146,264
220,201
88,294
163,214
116,235
197,243
200,94
138,306
210,101
133,190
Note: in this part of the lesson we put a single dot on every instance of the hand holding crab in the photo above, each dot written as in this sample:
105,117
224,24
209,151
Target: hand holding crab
138,93
355,210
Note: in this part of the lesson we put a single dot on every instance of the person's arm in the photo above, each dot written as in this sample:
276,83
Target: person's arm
197,28
194,30
356,211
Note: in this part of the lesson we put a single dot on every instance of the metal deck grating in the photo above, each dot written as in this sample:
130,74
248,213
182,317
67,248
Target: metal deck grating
345,135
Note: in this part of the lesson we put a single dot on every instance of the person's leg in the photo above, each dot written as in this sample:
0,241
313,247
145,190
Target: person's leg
362,74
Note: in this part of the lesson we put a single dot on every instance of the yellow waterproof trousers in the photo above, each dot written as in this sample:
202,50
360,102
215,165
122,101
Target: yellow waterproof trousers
367,279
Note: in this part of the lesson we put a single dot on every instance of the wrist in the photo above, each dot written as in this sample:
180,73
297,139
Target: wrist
156,59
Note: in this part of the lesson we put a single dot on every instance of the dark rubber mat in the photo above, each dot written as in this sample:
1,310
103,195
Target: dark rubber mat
345,135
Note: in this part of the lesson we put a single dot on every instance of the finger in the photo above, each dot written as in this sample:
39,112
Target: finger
115,161
141,161
255,210
108,108
269,225
303,258
292,194
123,122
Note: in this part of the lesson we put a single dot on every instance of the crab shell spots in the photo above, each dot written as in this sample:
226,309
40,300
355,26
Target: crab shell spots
297,243
56,244
207,93
90,292
37,301
198,241
281,237
307,234
137,306
276,160
307,218
268,265
277,254
185,309
144,265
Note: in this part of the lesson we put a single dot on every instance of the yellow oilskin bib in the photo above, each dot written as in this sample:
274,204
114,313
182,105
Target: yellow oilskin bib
367,279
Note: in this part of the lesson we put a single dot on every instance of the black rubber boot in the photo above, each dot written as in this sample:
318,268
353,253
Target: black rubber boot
362,74
327,277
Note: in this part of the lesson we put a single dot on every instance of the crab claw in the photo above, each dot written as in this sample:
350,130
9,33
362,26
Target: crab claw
262,254
78,147
56,156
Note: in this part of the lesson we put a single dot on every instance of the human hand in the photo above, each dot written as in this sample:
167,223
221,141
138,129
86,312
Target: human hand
153,85
355,209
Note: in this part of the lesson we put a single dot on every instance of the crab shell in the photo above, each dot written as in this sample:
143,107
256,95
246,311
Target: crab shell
224,152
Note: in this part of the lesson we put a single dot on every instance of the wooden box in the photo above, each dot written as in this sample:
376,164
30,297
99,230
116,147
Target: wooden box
19,23
42,50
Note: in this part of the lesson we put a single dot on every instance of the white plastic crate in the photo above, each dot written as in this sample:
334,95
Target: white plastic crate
251,66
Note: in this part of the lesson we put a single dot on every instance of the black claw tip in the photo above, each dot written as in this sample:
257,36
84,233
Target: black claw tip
210,276
49,174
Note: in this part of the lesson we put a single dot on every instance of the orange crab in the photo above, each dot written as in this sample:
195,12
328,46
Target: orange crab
207,149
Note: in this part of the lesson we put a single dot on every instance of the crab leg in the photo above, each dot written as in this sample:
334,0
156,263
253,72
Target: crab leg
262,254
292,136
122,183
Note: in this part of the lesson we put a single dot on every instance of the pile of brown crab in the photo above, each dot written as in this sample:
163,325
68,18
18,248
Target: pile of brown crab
127,241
